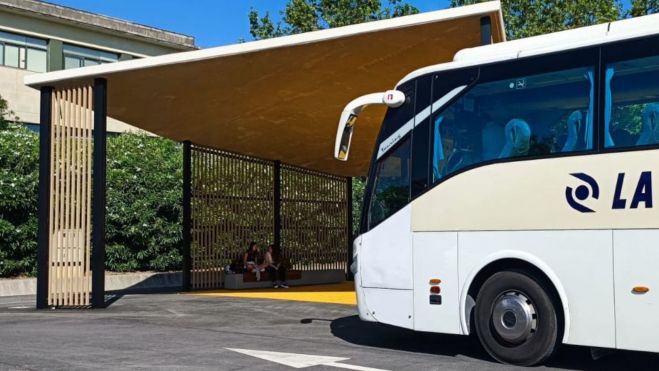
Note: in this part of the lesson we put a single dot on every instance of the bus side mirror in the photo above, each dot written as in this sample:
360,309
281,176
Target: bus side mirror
391,98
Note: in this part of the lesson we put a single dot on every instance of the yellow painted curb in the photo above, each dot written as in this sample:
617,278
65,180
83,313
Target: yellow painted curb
340,293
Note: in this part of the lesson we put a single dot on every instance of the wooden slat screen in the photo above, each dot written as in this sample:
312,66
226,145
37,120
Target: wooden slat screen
70,198
314,232
232,204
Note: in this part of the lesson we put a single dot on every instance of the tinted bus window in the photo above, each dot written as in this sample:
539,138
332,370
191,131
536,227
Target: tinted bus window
421,136
631,108
530,115
391,187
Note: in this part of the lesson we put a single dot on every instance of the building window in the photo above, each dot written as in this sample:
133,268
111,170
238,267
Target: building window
76,56
23,52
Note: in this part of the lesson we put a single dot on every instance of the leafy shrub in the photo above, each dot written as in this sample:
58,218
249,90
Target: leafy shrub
19,183
144,203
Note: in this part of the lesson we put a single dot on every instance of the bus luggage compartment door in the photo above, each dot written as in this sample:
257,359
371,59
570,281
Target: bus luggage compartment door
636,259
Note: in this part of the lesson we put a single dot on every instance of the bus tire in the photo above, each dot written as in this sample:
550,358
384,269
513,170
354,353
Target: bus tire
515,319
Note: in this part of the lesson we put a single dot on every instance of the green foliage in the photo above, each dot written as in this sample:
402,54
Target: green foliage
628,118
358,189
6,115
19,183
310,15
524,18
644,7
144,203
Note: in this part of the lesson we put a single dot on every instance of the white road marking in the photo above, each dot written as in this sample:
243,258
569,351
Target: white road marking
296,360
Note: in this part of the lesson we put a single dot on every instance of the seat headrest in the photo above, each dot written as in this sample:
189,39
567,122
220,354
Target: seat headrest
649,125
573,125
518,139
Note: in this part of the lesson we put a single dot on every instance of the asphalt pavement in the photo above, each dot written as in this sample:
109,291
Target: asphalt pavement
170,331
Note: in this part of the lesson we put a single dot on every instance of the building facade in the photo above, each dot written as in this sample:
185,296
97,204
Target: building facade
37,37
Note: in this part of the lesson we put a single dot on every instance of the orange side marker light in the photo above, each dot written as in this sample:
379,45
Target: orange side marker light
640,290
435,281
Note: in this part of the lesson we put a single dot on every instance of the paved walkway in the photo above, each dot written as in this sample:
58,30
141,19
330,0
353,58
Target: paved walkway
340,293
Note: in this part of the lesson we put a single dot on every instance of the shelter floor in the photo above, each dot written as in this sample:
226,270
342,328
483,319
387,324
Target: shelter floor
339,293
174,332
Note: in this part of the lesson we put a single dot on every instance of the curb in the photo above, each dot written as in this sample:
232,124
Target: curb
113,282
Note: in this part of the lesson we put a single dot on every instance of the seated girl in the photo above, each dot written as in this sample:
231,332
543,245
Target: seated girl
251,258
274,263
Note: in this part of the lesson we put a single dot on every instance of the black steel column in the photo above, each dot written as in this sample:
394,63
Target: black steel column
349,274
277,202
43,249
187,215
486,31
98,195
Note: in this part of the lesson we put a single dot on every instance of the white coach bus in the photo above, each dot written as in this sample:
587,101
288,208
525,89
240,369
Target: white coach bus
511,194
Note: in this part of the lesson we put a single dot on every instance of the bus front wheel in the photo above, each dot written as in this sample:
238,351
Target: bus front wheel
516,319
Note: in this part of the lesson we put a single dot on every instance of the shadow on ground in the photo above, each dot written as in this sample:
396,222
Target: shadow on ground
355,331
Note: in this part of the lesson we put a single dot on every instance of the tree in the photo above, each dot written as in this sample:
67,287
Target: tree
644,7
524,18
310,15
6,115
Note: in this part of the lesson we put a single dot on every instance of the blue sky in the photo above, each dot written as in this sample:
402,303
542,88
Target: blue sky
211,22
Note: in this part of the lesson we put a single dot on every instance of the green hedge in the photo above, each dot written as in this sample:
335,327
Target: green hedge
144,201
19,182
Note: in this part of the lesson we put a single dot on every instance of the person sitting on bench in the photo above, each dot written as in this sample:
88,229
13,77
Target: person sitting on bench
251,260
274,263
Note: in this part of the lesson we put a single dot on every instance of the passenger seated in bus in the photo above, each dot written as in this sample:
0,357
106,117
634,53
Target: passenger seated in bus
251,260
275,264
466,143
518,139
649,125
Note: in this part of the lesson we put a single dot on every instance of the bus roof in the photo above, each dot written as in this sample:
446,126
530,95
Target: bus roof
545,44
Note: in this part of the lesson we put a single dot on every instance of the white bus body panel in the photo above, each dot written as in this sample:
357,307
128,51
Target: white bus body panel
579,264
436,256
636,256
386,253
385,271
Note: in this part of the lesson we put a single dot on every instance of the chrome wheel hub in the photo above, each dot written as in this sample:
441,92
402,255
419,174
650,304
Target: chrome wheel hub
514,317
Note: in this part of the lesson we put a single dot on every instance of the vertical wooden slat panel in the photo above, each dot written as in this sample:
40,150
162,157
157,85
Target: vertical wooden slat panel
70,227
75,160
67,205
88,169
54,196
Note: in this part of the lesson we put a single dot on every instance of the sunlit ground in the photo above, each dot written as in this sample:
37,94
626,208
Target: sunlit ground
340,293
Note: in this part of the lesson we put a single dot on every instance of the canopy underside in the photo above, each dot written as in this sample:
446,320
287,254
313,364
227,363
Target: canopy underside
283,102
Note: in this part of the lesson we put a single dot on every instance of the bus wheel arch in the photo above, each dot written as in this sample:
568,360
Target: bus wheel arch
527,263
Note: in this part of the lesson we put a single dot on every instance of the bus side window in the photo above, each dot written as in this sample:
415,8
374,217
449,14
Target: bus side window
391,187
534,115
392,172
421,136
631,111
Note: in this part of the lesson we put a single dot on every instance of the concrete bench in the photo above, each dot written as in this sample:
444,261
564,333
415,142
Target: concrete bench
238,281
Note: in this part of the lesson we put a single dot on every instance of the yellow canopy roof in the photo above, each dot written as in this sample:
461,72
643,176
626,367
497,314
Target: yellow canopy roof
281,99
